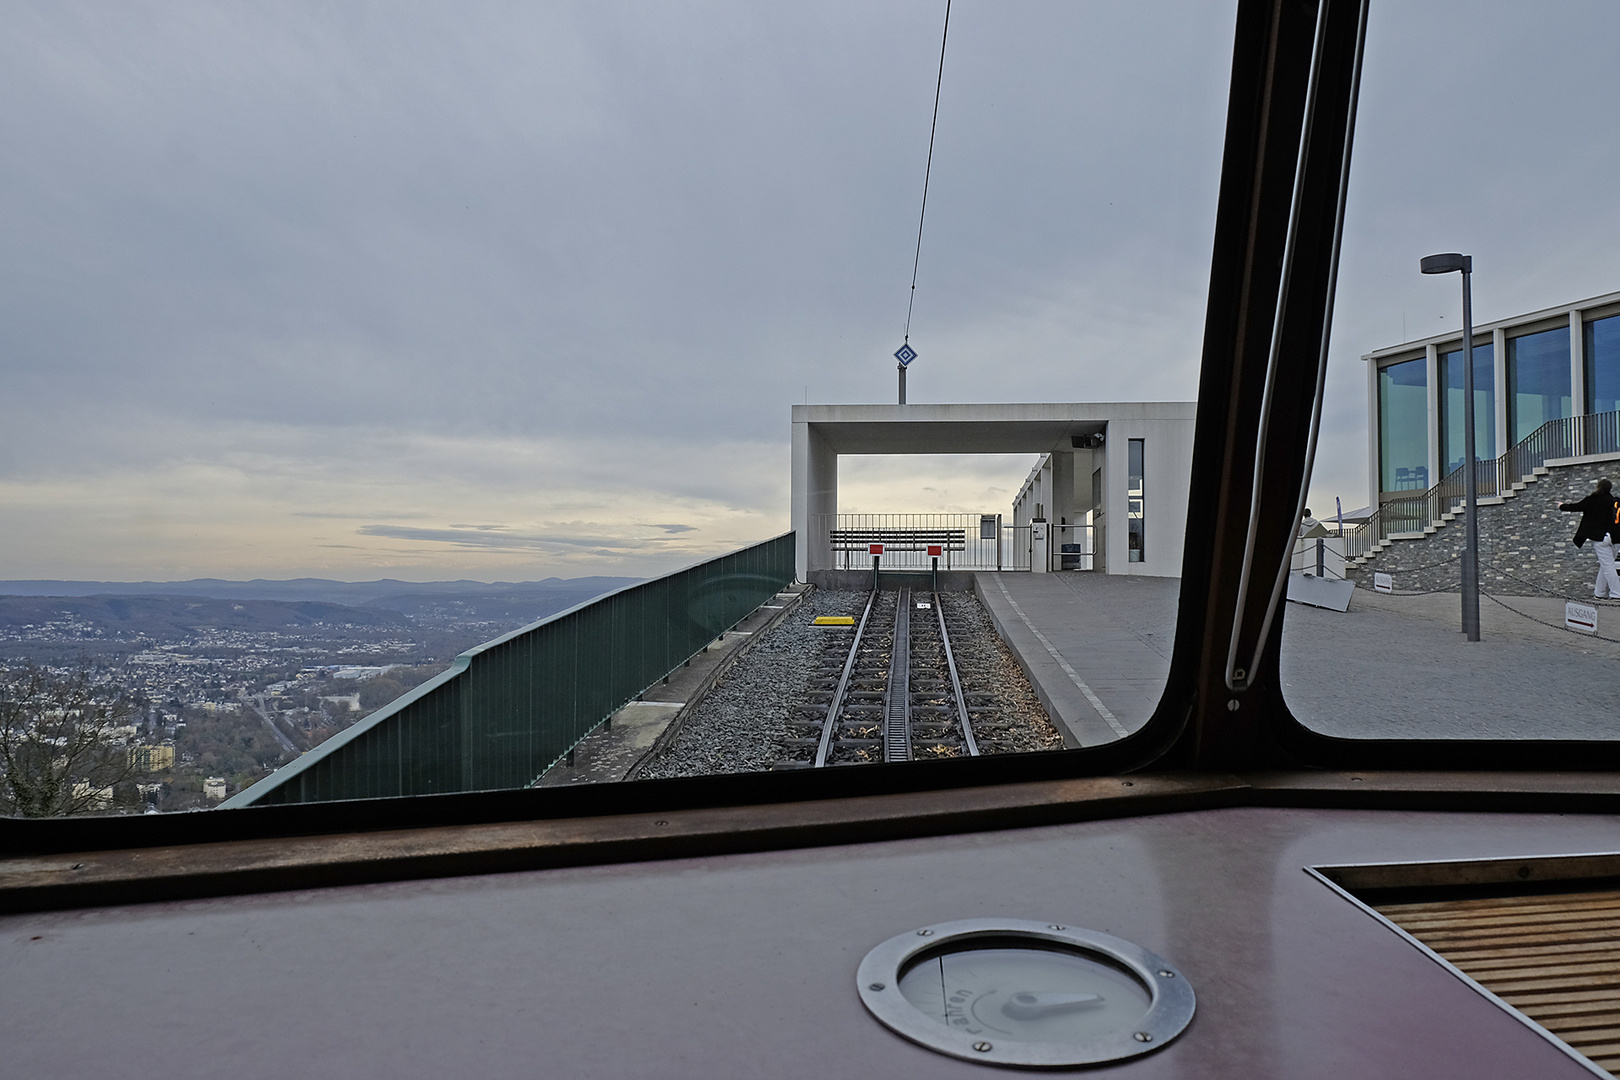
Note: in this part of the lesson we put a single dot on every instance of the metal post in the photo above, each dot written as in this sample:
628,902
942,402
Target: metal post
875,559
901,368
936,575
1470,566
1321,557
1447,263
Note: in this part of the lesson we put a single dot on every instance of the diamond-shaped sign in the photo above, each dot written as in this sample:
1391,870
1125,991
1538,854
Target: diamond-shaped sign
905,354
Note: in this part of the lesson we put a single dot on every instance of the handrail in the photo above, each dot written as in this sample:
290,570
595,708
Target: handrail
970,546
911,539
1569,436
508,709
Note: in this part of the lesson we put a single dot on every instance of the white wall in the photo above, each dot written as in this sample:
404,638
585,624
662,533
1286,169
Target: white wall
815,498
1167,483
1167,459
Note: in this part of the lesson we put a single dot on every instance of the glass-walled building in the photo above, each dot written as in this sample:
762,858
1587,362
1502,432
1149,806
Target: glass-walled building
1452,411
1528,370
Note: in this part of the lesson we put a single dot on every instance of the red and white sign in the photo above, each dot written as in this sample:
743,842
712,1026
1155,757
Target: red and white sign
874,549
1582,617
936,549
1383,583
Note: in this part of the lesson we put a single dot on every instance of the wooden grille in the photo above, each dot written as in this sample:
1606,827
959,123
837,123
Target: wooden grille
1554,957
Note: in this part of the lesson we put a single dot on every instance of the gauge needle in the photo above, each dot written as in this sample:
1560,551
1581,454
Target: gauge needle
1029,1005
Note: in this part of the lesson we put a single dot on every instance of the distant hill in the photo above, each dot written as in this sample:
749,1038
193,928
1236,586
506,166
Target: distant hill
355,593
168,610
175,616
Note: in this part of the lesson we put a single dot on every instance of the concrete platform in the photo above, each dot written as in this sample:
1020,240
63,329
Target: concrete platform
1097,648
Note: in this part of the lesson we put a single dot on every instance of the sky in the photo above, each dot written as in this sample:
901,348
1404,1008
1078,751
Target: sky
509,291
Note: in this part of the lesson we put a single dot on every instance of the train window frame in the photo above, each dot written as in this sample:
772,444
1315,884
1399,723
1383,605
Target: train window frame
1291,110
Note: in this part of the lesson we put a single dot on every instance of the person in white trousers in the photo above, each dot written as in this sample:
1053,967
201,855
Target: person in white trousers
1600,523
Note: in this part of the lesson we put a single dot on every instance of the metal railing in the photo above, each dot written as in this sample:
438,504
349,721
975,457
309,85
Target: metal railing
1073,547
982,538
1017,547
985,546
1571,436
979,542
510,708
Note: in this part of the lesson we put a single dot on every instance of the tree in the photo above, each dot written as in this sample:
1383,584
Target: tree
379,691
60,748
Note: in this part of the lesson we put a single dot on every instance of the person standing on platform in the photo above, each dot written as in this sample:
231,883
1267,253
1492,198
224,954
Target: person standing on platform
1599,524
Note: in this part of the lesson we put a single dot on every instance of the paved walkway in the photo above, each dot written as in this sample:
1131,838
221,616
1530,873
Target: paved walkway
1096,647
1399,667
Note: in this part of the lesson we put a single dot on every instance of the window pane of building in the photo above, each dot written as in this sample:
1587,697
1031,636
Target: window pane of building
1403,426
1136,518
1603,365
1451,405
1538,380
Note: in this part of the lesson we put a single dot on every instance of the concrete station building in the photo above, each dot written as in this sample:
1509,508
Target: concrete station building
1111,483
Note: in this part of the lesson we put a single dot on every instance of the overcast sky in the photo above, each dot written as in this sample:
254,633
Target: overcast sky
507,291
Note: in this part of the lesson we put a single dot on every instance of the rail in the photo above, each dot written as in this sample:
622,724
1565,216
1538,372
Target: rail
836,705
897,696
508,709
1570,436
892,699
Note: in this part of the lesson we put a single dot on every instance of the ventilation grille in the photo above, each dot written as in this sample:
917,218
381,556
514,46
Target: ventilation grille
1554,957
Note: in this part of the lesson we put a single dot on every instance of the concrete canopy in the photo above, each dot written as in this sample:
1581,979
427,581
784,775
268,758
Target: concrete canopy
823,432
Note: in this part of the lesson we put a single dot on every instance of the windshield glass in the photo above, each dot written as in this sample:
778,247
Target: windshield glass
341,346
1435,171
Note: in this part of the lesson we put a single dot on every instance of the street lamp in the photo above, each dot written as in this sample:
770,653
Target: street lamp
1451,262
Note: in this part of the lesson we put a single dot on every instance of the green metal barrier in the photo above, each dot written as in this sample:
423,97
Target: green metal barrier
507,710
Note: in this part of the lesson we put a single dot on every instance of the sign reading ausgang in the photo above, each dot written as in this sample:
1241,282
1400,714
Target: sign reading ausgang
1582,617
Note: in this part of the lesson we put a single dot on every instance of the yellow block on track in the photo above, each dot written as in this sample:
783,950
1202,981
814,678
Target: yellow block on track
834,620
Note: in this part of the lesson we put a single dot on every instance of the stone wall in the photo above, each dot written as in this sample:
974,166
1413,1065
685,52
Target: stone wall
1524,543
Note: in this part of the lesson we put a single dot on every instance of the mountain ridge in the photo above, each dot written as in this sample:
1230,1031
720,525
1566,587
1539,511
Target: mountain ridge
352,593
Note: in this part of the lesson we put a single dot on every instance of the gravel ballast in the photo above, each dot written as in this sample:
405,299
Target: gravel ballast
747,721
987,667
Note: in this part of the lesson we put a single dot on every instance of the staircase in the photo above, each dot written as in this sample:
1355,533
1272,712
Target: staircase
1446,518
1496,481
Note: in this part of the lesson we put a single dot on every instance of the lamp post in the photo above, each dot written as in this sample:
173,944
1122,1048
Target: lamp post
1452,262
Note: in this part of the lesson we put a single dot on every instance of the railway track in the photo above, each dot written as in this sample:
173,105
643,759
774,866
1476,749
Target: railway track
894,694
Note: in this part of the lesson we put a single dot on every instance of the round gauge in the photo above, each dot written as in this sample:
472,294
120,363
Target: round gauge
1010,992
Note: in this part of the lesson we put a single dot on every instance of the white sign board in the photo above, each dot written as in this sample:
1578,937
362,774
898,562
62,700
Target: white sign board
1383,583
1582,617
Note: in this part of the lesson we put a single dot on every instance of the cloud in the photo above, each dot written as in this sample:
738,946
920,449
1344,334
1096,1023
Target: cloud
273,275
497,538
